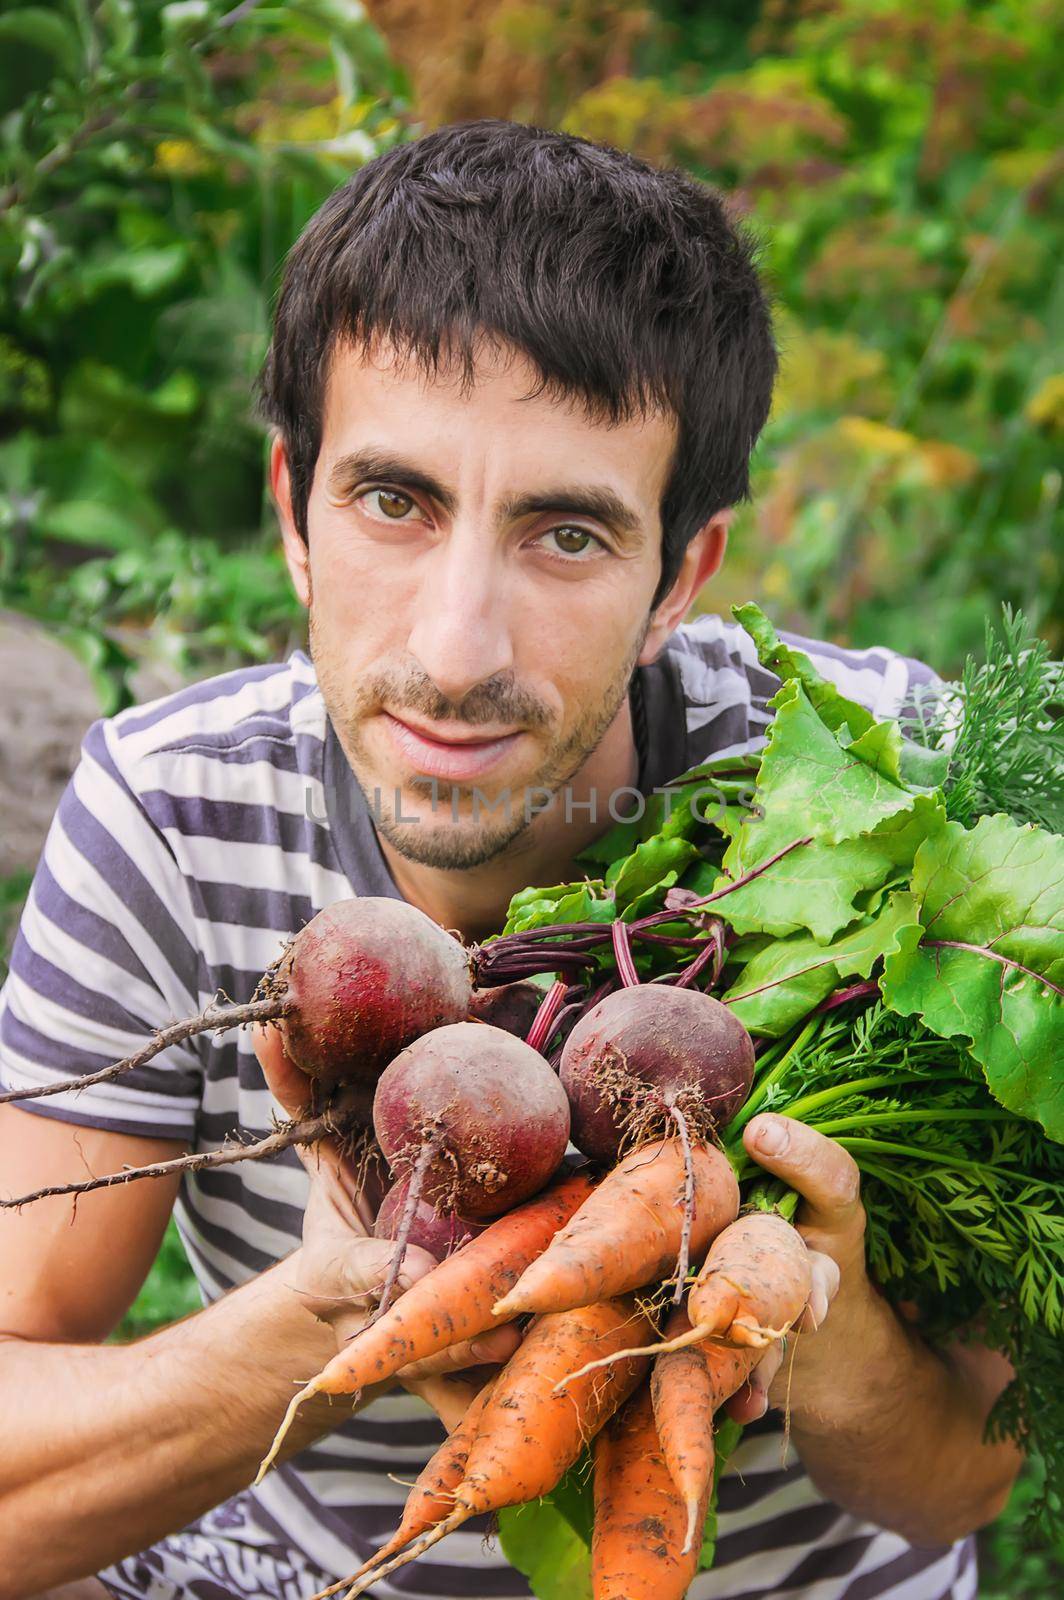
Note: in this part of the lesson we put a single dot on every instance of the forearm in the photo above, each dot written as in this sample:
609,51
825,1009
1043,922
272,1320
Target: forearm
109,1448
912,1455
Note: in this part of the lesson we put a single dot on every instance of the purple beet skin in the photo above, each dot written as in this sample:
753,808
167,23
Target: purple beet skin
510,1006
364,979
644,1050
438,1232
479,1114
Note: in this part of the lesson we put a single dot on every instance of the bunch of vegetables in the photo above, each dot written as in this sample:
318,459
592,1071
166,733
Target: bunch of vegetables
874,947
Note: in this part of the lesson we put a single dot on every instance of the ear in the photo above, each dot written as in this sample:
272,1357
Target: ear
296,554
701,561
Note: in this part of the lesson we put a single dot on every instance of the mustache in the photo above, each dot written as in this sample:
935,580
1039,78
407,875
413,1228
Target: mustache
498,699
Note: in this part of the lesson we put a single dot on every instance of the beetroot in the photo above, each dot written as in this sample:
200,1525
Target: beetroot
438,1232
475,1117
362,980
510,1006
647,1052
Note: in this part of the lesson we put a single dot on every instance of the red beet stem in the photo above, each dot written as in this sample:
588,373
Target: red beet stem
855,991
622,951
711,955
547,1015
718,894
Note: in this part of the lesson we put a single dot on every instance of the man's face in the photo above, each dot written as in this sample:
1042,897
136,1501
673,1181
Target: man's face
479,575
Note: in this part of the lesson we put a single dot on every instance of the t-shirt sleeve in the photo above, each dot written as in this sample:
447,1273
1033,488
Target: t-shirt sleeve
104,956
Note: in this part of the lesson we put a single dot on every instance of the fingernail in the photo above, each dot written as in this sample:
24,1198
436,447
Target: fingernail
482,1351
771,1136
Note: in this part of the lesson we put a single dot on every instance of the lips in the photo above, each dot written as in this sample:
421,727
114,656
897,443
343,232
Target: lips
457,760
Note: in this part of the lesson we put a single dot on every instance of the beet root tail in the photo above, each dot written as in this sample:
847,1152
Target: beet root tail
307,1132
212,1018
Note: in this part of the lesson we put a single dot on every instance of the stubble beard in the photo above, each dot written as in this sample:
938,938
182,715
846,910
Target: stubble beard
458,845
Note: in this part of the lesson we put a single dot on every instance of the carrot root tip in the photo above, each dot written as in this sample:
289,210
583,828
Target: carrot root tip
409,1553
695,1336
751,1335
287,1420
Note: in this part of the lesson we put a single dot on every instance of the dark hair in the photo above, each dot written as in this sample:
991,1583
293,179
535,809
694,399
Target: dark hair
627,287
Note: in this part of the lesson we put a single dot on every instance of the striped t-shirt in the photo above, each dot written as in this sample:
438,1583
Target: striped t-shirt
197,834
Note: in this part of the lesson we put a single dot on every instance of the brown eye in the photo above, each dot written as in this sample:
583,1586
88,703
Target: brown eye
393,504
572,541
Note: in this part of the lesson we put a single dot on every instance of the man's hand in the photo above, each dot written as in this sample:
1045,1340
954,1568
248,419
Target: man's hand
340,1268
885,1426
812,1364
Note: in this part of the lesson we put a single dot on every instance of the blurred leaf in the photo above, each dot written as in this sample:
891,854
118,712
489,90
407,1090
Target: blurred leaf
45,30
88,522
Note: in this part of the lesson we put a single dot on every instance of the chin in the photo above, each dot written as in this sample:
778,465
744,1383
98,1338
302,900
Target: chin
449,846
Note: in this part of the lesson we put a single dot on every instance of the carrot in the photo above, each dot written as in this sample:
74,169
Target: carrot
451,1303
529,1435
681,1388
729,1368
754,1284
756,1274
628,1233
637,1549
432,1496
688,1386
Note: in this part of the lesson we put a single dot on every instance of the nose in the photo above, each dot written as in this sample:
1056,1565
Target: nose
461,633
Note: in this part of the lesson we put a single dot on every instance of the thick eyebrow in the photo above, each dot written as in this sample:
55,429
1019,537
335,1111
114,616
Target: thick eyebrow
375,465
582,500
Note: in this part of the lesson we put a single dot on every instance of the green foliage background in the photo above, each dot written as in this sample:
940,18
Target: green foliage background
901,163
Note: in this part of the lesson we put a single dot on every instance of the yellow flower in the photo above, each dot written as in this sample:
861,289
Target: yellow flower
877,437
1045,408
180,158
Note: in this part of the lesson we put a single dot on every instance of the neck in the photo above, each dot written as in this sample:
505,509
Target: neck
474,900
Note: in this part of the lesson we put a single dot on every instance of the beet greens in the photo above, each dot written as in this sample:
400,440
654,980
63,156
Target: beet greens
894,941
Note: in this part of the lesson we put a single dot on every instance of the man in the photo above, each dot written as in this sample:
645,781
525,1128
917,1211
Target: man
515,380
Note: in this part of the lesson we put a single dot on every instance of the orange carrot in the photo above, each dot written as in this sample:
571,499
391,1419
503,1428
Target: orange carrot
728,1367
754,1284
637,1549
681,1387
451,1303
688,1386
756,1275
628,1233
432,1496
529,1435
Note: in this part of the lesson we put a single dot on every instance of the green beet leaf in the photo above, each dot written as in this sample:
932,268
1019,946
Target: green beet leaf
566,902
818,887
648,865
832,707
863,829
539,1541
783,981
882,744
989,966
